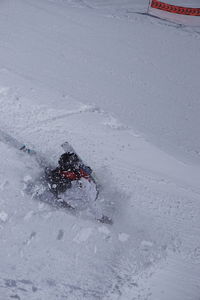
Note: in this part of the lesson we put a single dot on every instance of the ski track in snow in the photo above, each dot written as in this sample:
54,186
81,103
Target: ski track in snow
145,190
153,249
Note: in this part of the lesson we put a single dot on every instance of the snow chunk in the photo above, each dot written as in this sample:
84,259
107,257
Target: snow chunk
3,185
4,91
41,206
83,235
196,255
29,215
27,178
123,237
104,230
3,216
114,124
145,245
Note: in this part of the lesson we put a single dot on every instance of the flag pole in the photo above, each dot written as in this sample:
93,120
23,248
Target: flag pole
149,6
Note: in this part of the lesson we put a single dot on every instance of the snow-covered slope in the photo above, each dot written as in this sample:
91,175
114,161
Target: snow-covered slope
110,61
116,85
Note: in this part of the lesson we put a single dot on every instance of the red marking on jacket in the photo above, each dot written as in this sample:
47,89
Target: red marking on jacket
71,175
84,174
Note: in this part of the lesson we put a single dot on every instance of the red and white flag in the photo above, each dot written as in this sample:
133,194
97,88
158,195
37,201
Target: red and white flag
175,9
164,10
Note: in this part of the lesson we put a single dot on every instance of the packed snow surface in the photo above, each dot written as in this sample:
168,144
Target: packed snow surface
123,89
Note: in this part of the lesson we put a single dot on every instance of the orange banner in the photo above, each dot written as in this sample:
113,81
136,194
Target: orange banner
175,9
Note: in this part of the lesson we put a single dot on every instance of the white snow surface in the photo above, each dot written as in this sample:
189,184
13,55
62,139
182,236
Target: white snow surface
123,89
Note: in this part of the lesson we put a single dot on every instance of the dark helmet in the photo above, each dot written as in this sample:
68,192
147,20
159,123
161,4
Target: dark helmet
68,160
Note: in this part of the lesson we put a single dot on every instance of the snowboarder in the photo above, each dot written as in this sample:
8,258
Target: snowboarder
70,168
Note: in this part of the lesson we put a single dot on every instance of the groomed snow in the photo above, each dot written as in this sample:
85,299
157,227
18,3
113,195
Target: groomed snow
123,89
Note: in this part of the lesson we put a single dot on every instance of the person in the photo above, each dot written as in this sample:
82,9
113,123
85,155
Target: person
70,168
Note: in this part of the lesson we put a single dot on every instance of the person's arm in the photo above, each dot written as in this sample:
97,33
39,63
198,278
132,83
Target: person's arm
86,169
